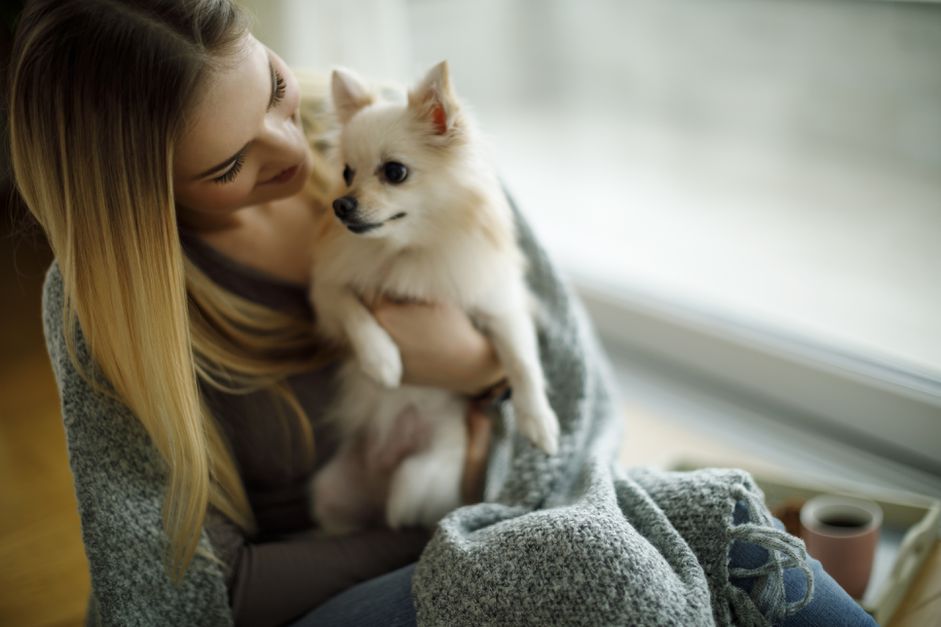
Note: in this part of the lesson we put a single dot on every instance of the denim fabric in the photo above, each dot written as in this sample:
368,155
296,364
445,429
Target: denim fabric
385,601
831,605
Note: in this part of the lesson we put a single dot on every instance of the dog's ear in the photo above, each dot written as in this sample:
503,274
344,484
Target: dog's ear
349,94
433,99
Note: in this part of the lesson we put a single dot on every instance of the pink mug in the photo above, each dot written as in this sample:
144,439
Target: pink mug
842,532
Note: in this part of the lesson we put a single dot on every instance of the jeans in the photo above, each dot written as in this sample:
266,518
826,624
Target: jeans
387,600
830,605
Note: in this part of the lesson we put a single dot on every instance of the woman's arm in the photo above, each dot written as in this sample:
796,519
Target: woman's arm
120,484
271,583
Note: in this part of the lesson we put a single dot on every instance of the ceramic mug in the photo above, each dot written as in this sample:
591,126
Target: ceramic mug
842,532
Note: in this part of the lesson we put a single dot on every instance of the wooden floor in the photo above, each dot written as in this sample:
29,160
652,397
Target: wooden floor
44,578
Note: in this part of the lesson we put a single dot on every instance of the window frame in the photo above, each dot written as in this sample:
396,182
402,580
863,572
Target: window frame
815,389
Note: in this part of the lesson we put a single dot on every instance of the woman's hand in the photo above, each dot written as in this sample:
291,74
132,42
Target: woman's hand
439,345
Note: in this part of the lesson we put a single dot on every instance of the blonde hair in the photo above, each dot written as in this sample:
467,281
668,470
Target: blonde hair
98,91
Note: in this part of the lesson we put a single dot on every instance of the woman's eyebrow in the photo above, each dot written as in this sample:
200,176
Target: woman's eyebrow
221,166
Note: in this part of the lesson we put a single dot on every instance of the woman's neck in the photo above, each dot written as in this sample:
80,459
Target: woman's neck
273,238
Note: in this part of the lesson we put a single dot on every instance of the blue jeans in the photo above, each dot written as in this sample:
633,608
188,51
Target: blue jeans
830,605
387,600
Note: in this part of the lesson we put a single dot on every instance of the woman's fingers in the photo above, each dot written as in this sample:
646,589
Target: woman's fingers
479,434
439,345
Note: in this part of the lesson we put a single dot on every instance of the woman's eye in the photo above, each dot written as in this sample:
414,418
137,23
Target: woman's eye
394,172
348,175
232,172
280,86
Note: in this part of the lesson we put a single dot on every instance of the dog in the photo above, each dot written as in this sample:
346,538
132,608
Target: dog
420,215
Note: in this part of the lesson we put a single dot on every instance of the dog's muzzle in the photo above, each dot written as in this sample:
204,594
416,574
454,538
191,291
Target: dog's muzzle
345,209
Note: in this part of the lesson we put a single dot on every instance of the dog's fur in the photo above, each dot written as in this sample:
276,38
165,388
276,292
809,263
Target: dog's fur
444,234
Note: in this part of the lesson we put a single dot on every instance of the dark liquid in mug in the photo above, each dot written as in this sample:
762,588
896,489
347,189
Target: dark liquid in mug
843,522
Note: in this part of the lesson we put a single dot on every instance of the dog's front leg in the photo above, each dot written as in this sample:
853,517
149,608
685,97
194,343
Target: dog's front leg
341,314
514,338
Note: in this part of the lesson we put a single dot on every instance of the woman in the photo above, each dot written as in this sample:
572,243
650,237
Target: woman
163,150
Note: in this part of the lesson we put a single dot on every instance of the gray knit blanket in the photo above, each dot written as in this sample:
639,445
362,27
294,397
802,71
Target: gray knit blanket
574,539
571,539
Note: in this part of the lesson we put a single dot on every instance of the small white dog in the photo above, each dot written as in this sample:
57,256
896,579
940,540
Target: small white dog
422,216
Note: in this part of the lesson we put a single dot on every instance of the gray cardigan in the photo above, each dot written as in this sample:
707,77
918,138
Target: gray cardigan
571,539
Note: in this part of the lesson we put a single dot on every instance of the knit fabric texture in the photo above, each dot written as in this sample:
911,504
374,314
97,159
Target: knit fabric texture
571,539
119,485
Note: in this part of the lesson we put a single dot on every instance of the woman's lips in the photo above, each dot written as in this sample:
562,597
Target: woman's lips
284,176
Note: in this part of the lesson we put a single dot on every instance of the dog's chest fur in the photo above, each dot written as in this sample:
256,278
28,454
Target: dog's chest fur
465,270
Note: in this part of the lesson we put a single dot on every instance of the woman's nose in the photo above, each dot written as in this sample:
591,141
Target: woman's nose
282,131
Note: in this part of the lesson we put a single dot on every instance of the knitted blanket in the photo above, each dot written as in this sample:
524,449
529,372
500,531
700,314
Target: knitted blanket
565,540
570,539
573,539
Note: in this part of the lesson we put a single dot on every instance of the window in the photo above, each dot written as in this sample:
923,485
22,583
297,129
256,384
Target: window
747,189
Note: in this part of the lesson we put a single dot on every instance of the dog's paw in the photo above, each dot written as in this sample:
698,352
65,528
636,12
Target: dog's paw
379,358
539,424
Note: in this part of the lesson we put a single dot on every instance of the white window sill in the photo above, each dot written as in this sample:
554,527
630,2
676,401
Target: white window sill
673,416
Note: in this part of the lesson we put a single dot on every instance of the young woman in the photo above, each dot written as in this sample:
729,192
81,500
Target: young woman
175,167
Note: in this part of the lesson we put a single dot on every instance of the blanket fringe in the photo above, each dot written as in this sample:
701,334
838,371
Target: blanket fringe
767,601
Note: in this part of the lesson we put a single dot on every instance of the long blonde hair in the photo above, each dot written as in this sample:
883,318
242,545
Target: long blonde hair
98,91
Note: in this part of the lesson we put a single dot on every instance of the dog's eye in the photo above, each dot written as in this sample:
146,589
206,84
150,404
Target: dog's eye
348,174
394,172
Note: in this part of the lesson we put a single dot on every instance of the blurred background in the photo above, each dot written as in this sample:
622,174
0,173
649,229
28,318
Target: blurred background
746,194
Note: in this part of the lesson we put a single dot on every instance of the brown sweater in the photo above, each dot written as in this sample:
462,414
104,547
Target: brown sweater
286,570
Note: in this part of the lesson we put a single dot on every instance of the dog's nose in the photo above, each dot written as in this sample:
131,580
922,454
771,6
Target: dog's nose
344,207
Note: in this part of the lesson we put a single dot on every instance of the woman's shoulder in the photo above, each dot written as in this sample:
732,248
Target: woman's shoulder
99,427
53,310
56,326
52,287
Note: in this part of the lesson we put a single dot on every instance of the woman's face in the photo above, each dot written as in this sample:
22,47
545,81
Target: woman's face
243,144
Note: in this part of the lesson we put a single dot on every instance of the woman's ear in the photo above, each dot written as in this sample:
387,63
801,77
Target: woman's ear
433,99
350,94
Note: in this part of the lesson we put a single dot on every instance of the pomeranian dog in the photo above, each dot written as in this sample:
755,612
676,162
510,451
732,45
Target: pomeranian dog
421,216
